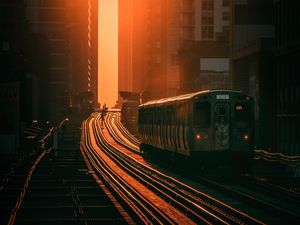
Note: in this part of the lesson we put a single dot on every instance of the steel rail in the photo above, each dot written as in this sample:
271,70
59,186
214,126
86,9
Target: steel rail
116,137
118,125
196,212
143,207
192,201
126,133
256,202
199,197
251,199
132,138
112,182
117,159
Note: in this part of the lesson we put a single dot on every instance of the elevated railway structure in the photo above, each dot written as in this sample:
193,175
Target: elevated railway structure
58,188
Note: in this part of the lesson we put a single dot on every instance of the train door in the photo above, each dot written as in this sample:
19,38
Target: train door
222,126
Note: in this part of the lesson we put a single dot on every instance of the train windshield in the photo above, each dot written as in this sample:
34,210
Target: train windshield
202,114
242,115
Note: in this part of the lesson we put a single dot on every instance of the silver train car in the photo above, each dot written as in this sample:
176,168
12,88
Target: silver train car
208,127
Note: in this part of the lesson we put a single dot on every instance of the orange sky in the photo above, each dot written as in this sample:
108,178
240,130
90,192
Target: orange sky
108,52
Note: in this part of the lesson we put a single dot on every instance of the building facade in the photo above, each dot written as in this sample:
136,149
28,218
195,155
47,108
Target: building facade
253,61
49,18
204,47
24,91
83,36
154,34
125,21
287,58
142,47
71,28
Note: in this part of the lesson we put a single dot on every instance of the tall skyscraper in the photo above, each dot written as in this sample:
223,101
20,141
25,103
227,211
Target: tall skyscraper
49,18
71,28
125,45
23,77
83,36
174,46
142,47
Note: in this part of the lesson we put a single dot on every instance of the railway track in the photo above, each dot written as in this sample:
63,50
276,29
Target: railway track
124,131
186,199
281,187
120,134
251,194
256,195
281,191
139,206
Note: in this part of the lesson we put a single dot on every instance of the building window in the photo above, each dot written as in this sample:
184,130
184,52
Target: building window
225,16
188,33
174,59
158,59
187,5
158,45
208,5
187,19
57,35
207,32
225,3
207,19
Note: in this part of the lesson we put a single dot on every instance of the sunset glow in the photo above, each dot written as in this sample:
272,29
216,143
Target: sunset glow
108,52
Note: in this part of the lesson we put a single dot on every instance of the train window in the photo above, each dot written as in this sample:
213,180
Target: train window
169,126
172,125
140,117
242,115
222,110
202,114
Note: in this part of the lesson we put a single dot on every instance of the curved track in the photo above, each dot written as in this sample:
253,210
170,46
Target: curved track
141,208
182,196
250,196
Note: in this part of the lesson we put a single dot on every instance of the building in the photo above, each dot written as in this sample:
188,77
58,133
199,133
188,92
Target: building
205,46
287,57
204,65
71,28
10,117
253,60
155,35
14,82
48,55
254,75
49,18
125,45
82,32
140,66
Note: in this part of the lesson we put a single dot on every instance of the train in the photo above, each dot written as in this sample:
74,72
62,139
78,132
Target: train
207,128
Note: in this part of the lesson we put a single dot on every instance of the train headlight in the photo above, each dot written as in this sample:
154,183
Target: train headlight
198,136
246,137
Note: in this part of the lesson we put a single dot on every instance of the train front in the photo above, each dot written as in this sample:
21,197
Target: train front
223,129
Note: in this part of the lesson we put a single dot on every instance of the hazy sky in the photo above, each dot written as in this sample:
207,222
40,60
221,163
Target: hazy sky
108,52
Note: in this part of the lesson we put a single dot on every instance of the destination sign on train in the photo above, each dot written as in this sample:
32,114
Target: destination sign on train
222,96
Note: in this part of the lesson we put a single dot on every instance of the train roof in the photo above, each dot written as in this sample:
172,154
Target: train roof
185,97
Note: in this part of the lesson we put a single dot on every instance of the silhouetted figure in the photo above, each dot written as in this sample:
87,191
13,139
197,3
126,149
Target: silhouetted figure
103,113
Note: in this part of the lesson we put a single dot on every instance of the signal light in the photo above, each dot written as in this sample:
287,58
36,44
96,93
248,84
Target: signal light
246,137
198,136
239,107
